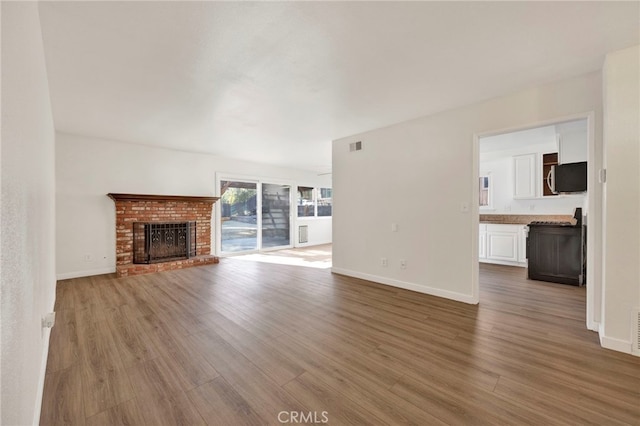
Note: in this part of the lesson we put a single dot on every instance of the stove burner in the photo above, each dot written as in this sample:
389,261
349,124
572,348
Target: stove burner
546,222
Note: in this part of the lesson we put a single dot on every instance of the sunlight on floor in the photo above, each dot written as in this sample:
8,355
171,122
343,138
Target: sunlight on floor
311,257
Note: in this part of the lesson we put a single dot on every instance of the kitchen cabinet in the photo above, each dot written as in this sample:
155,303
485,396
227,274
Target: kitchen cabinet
557,254
522,243
503,244
525,176
482,250
572,142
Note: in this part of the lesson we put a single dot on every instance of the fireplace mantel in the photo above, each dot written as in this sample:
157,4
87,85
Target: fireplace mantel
161,198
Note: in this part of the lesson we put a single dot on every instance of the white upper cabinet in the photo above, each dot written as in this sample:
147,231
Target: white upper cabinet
525,176
572,141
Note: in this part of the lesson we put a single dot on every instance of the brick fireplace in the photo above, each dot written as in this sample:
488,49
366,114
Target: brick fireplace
163,211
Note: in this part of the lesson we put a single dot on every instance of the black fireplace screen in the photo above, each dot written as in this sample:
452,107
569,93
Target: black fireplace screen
155,242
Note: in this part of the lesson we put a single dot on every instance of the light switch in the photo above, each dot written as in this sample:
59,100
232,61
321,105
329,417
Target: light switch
394,227
464,207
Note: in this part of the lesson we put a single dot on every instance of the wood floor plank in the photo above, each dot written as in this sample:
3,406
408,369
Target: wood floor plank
241,341
264,396
566,413
190,366
325,405
64,405
127,413
158,391
279,368
131,343
220,404
377,399
65,337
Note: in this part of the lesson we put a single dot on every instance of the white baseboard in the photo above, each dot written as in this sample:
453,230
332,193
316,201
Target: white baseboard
459,297
504,262
615,344
88,273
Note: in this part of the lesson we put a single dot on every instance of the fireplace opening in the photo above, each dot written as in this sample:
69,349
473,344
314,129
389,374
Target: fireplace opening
155,242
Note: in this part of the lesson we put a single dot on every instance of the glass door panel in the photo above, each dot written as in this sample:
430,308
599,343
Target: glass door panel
276,223
239,227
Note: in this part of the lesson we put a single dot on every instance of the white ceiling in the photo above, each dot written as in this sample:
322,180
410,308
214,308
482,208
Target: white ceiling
543,135
276,82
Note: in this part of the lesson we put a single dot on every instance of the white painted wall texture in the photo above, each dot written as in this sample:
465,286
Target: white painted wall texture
418,174
28,222
89,168
621,88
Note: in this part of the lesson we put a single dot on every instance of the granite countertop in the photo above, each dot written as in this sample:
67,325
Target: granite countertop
523,219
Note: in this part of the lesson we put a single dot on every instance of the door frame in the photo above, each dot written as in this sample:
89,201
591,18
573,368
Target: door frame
594,212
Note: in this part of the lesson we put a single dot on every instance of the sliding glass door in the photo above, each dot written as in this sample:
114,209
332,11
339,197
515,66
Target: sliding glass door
276,205
239,220
242,228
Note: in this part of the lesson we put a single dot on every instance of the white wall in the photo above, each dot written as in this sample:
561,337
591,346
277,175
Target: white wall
319,231
621,88
418,174
89,168
28,222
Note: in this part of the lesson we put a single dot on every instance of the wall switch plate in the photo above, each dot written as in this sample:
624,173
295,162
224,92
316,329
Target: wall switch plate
384,262
602,176
403,264
464,207
394,227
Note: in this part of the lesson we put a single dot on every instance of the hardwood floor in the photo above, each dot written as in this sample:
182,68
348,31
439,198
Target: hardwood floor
256,343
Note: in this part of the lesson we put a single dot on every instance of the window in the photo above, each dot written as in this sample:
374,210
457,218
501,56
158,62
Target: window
306,203
314,202
324,202
486,198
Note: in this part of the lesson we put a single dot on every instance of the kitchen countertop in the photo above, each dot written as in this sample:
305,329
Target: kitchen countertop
523,219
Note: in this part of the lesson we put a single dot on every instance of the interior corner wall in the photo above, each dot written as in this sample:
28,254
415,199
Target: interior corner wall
418,175
621,284
89,168
27,274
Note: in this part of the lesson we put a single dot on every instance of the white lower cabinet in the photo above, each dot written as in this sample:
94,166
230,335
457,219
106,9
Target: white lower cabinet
522,244
504,244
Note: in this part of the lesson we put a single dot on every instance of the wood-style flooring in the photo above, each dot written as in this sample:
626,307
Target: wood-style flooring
255,343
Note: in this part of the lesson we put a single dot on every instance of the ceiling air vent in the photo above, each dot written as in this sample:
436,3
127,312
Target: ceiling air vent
355,146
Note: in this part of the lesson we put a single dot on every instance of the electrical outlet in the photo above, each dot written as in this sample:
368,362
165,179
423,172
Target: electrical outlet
88,257
384,262
48,320
403,264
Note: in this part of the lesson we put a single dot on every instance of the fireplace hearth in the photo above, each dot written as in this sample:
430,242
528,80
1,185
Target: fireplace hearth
155,242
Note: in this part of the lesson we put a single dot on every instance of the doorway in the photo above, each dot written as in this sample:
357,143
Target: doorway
528,195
